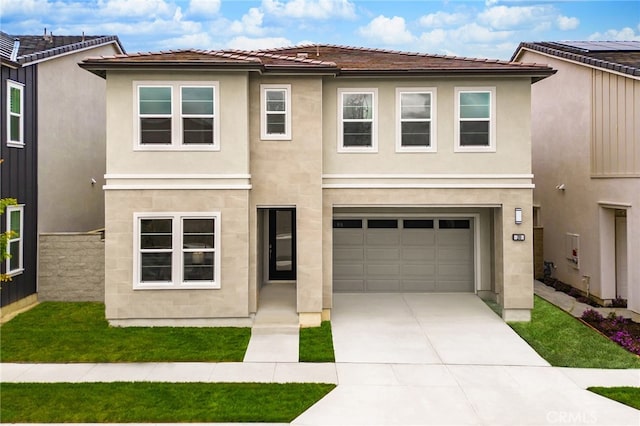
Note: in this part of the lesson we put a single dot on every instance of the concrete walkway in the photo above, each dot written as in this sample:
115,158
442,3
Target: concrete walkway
404,360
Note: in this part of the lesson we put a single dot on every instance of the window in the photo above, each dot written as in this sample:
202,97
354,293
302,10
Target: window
357,121
382,223
15,224
415,113
275,105
176,116
475,127
177,250
15,114
347,223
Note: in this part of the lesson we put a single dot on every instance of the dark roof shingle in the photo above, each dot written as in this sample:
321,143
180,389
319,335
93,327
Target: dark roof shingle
620,56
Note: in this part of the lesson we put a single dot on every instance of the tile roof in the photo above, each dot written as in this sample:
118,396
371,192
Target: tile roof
620,56
32,48
340,60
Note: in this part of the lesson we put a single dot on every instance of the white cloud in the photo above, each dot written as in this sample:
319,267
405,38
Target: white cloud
251,23
387,30
315,9
566,23
127,8
246,43
26,7
442,19
474,33
204,8
504,17
196,41
625,34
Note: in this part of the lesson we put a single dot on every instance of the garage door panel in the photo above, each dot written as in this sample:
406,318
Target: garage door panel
418,270
388,270
460,286
348,237
453,271
382,237
346,254
383,285
348,285
418,285
419,253
384,254
454,237
455,255
349,270
418,237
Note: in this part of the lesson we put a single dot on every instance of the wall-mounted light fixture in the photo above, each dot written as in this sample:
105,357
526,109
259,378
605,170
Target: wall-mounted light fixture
560,187
518,217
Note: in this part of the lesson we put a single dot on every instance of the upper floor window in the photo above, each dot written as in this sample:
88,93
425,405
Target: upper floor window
415,120
476,119
357,127
178,115
177,250
275,110
15,224
15,114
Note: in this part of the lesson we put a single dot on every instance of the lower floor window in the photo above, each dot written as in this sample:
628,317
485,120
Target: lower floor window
177,250
15,227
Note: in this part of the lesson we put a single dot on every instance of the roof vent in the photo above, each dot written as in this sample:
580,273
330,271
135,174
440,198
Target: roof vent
302,55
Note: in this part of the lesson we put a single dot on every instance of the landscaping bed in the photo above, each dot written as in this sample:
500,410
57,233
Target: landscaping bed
621,330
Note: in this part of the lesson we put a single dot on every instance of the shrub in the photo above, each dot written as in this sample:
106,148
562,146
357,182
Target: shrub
592,316
619,303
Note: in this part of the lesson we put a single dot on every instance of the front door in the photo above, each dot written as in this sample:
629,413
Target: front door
282,244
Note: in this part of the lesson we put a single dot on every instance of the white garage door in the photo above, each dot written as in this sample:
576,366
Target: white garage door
410,255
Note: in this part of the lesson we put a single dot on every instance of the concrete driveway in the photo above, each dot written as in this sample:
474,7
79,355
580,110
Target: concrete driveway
445,359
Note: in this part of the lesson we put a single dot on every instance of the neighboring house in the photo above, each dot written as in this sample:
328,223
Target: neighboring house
52,143
334,169
586,161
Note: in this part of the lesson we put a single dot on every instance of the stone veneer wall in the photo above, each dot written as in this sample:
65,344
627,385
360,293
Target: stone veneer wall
71,267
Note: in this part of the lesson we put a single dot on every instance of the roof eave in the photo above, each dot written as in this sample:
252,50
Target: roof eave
8,63
537,74
100,68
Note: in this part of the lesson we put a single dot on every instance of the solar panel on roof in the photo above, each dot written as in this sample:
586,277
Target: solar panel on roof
603,46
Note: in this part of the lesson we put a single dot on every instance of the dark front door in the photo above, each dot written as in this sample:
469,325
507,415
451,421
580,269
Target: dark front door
282,244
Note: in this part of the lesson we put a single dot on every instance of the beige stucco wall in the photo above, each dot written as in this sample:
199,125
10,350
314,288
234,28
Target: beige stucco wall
71,143
289,173
512,124
562,114
227,305
233,157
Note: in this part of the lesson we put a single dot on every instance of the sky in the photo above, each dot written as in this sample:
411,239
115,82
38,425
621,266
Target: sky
482,29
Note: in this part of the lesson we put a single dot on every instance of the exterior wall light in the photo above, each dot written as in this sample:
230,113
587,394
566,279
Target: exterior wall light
518,216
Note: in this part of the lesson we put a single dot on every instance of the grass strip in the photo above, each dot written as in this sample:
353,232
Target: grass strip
625,395
566,342
316,344
145,402
78,332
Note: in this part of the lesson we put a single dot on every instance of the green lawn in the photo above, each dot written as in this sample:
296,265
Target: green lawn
157,402
626,395
316,344
78,332
565,342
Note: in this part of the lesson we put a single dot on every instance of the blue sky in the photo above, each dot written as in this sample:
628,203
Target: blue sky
487,28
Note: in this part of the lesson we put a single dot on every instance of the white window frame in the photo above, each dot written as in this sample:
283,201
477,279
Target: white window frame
176,116
433,147
19,239
374,120
492,119
177,250
264,134
20,86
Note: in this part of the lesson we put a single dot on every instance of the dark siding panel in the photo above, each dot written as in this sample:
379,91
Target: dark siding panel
19,179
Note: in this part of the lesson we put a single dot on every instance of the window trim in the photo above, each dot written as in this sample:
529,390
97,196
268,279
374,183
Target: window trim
177,250
264,135
176,116
433,137
374,121
20,86
20,239
492,119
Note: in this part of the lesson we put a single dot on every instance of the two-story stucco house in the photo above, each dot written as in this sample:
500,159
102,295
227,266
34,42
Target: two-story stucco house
586,159
332,169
